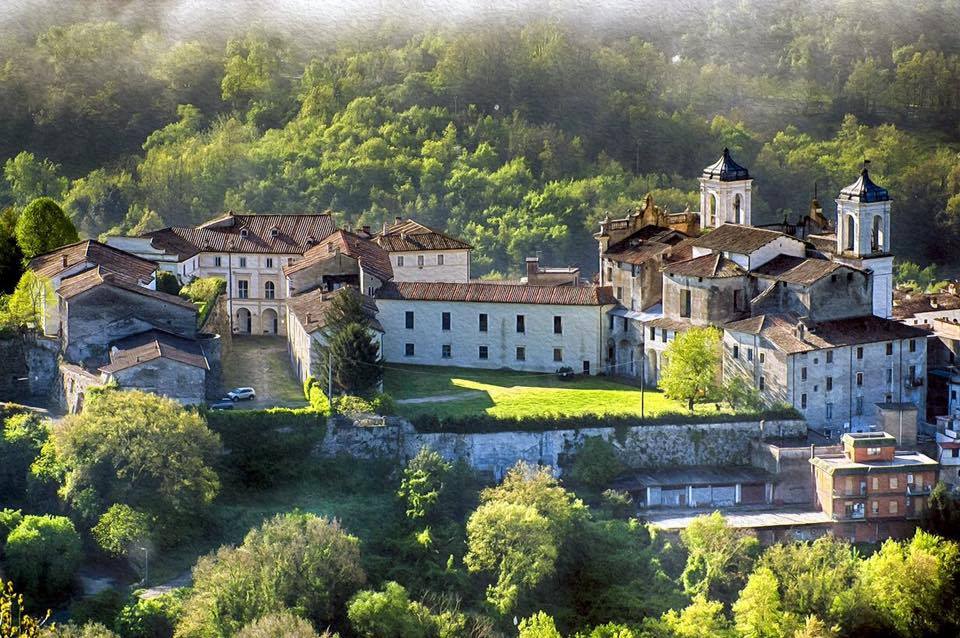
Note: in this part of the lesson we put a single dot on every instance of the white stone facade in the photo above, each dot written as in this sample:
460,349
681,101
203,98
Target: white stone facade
724,202
431,265
580,344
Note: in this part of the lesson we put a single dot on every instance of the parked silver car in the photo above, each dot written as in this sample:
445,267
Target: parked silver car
239,394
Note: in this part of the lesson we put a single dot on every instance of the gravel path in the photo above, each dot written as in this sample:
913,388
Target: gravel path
443,398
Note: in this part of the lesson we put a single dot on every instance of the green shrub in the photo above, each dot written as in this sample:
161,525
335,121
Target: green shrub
120,527
42,555
319,401
21,437
595,463
619,503
167,282
9,519
102,607
308,384
266,447
151,618
282,624
380,403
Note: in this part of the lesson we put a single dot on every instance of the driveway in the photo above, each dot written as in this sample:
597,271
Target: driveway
262,363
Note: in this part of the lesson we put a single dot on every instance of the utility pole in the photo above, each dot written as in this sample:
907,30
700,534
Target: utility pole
643,382
330,379
146,565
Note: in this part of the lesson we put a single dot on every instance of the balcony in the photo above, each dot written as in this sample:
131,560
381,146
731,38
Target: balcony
919,490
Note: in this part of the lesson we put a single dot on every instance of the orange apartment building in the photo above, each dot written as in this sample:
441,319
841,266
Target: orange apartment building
872,490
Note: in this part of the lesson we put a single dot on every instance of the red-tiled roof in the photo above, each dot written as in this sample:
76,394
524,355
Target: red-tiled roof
151,345
499,293
781,331
909,304
372,258
739,239
798,270
90,279
94,253
712,266
235,233
408,235
647,242
310,309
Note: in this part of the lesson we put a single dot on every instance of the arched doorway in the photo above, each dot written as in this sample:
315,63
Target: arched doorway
244,321
851,233
270,321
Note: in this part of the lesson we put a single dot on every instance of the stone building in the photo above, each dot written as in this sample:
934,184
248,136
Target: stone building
495,325
420,253
248,251
873,489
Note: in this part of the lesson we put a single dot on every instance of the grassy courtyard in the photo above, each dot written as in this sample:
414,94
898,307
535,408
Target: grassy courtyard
263,363
509,394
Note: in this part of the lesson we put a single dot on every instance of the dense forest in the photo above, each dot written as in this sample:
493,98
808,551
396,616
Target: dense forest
517,132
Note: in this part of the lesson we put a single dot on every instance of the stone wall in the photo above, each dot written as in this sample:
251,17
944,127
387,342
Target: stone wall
495,452
29,367
793,482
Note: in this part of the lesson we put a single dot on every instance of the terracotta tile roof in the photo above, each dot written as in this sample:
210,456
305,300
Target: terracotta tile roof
94,253
677,325
410,235
824,243
712,266
90,279
798,270
737,239
644,244
909,304
310,309
489,292
154,344
235,233
682,251
372,258
781,331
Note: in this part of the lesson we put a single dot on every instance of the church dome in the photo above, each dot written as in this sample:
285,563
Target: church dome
725,169
864,190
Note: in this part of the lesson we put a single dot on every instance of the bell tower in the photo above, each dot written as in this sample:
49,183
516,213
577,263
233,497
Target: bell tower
863,236
725,193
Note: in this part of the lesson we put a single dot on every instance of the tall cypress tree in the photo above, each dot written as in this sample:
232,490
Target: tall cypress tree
350,353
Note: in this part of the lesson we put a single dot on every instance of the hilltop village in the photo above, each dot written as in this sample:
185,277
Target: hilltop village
806,311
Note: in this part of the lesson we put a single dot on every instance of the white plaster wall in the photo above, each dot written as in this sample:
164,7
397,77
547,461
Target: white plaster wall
583,337
455,267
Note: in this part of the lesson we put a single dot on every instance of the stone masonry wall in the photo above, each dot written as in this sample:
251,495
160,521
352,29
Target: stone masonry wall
29,367
495,452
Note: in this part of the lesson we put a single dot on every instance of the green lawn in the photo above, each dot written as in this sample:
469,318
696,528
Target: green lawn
505,393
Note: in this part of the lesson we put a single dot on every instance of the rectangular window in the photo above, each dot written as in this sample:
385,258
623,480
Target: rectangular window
803,401
653,333
913,373
736,352
684,303
738,300
269,262
829,356
761,384
420,260
408,350
558,325
558,354
829,384
909,479
889,375
874,507
243,262
860,352
803,374
521,323
749,354
663,335
586,367
875,483
400,260
611,321
217,261
626,324
761,357
483,322
859,406
894,507
440,260
829,410
483,352
894,483
445,351
521,353
408,318
619,292
243,288
859,379
913,345
889,349
445,321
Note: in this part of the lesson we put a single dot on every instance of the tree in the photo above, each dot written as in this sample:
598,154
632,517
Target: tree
30,178
14,622
29,301
21,438
609,630
11,258
719,557
596,463
42,555
701,619
297,560
422,482
942,514
517,531
388,614
349,350
539,625
282,624
150,617
692,371
87,630
42,227
141,450
813,627
120,527
759,611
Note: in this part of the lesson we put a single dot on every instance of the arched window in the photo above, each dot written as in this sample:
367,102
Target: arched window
737,213
269,290
876,235
712,210
851,233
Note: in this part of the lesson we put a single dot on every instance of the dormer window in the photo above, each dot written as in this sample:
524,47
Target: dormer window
311,241
329,248
274,231
244,232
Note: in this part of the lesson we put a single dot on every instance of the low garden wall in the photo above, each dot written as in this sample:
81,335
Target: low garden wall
653,445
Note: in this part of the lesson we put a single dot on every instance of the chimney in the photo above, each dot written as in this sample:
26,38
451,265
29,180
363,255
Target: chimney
398,219
63,260
533,268
309,318
366,229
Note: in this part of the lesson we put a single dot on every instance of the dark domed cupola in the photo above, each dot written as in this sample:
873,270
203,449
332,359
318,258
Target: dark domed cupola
725,193
864,190
726,169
